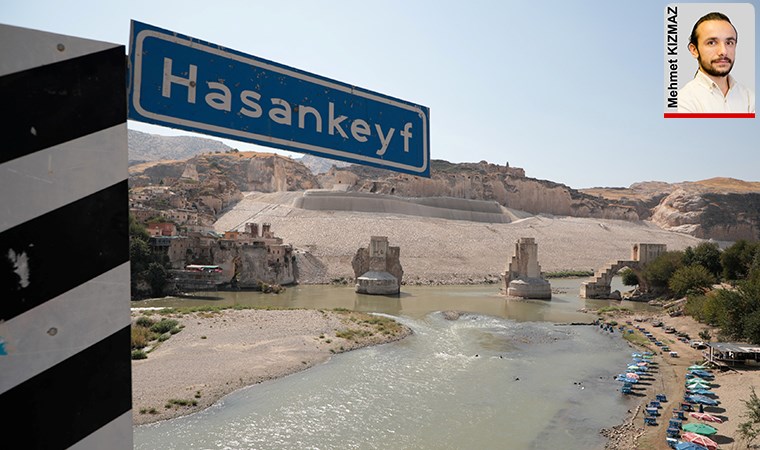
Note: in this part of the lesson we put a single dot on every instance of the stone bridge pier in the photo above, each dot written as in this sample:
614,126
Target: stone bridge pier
599,285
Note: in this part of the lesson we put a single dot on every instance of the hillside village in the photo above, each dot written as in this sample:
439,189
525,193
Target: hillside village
181,202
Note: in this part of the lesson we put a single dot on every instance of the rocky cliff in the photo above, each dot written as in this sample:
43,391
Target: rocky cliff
718,208
506,185
249,171
722,209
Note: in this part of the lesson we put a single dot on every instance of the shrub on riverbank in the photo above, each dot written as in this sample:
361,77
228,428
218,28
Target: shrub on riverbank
146,332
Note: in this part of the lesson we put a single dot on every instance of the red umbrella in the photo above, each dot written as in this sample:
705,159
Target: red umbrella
632,375
698,439
706,417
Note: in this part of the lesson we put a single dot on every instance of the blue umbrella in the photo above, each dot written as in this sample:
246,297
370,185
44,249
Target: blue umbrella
701,374
689,446
702,399
622,377
701,391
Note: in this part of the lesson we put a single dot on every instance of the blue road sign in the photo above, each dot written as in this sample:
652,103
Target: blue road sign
182,82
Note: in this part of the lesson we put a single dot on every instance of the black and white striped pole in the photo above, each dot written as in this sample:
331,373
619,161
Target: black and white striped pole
65,376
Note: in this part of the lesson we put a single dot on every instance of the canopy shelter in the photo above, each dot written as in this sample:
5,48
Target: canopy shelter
696,398
699,428
733,353
707,417
689,446
700,440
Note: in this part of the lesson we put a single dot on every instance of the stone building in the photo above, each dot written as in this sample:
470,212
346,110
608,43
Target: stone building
246,259
523,275
377,269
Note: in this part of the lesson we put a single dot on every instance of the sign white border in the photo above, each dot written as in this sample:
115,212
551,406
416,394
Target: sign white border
281,143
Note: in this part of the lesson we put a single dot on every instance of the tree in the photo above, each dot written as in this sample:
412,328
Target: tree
629,277
690,280
657,273
752,327
738,259
157,277
707,255
750,429
137,230
705,335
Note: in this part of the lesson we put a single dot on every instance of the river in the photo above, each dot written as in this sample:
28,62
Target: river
506,375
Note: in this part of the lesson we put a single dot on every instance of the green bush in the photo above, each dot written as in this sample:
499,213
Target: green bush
707,255
658,272
629,277
694,279
164,326
139,354
144,321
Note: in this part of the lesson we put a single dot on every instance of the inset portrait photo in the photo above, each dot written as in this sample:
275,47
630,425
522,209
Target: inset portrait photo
709,60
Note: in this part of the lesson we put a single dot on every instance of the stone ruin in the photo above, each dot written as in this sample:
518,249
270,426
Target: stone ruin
523,276
599,285
377,269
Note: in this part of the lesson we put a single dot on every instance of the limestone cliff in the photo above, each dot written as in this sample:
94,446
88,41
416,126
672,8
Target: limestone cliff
719,208
249,171
723,209
480,181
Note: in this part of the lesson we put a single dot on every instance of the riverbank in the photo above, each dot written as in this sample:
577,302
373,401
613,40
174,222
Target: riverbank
731,387
219,352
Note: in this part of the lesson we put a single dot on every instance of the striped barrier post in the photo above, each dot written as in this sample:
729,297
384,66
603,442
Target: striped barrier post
65,375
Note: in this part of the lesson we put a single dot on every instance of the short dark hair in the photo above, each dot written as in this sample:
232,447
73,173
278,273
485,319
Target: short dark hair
706,17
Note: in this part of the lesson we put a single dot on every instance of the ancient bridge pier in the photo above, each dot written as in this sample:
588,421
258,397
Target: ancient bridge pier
599,285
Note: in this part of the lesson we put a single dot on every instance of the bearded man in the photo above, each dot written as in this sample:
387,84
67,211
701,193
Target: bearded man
713,90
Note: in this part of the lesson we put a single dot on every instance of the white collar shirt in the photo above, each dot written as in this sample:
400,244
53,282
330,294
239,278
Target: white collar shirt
702,95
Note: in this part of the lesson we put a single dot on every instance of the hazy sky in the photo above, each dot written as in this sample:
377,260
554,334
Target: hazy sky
570,91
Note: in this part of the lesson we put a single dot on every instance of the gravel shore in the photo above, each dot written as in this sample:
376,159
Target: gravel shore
731,388
219,352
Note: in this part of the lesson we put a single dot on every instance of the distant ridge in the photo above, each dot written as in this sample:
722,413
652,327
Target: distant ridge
145,147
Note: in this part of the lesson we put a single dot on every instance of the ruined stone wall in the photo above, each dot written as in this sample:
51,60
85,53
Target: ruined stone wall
361,262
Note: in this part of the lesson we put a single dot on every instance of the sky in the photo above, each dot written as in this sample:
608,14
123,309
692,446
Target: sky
571,92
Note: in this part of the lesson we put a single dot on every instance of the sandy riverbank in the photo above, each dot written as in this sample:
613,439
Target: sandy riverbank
731,388
218,353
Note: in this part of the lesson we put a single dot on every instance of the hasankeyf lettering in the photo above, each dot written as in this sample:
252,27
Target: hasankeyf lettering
184,83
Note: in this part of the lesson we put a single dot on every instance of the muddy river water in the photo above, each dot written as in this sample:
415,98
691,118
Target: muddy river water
508,374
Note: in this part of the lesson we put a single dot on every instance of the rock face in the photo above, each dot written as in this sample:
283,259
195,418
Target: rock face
480,181
722,209
249,171
719,216
718,208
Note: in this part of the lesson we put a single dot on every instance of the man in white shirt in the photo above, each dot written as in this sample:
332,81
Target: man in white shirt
713,90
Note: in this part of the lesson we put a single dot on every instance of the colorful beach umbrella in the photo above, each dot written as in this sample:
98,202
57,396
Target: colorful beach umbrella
623,378
702,399
697,386
699,428
701,391
706,417
689,446
704,441
632,375
696,380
